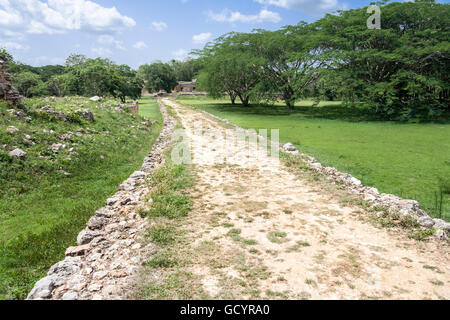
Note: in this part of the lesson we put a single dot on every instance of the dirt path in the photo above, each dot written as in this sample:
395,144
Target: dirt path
260,232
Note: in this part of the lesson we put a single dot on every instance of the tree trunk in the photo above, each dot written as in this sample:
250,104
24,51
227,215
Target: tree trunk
287,96
244,100
232,98
289,105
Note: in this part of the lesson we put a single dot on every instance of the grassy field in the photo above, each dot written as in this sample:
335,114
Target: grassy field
411,160
47,197
149,108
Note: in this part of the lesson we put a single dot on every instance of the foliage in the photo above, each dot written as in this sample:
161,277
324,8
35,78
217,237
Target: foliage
398,71
158,76
101,77
29,84
230,68
4,54
185,70
79,76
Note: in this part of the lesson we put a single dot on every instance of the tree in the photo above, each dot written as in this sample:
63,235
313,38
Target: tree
230,68
290,59
6,55
399,71
185,70
157,76
60,85
126,83
29,84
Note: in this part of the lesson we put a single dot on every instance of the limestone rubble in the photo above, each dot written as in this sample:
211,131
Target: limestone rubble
7,92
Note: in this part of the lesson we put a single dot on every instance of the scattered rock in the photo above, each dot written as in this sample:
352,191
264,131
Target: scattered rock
12,130
95,98
96,223
17,153
441,224
19,114
441,235
66,136
71,295
86,236
426,222
138,175
95,287
65,268
99,275
112,201
44,287
77,251
56,147
86,115
54,113
289,147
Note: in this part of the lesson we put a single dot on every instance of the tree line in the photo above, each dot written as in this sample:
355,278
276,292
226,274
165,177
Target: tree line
399,71
102,77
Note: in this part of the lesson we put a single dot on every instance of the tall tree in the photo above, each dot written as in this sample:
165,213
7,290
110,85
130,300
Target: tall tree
157,76
230,68
399,70
290,59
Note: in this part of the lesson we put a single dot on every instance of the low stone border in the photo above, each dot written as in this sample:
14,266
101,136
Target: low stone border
391,203
109,252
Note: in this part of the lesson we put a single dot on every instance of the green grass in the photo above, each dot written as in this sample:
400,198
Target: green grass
168,196
41,209
161,235
169,233
277,236
149,108
411,160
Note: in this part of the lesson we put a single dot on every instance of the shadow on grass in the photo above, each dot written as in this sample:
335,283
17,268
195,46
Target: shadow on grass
331,111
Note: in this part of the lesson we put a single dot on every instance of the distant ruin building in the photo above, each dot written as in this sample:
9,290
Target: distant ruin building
7,92
184,86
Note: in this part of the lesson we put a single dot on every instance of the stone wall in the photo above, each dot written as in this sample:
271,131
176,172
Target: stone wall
109,251
7,91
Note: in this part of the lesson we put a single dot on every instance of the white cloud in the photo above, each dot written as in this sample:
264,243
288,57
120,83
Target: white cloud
140,45
59,16
159,25
102,52
13,46
180,54
306,6
235,16
109,40
202,37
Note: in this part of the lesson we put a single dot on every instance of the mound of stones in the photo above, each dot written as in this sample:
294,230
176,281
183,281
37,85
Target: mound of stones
84,114
109,250
7,92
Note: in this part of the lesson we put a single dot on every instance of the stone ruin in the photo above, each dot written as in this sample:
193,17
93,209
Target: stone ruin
7,91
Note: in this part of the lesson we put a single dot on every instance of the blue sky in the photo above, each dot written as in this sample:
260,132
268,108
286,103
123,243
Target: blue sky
134,32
